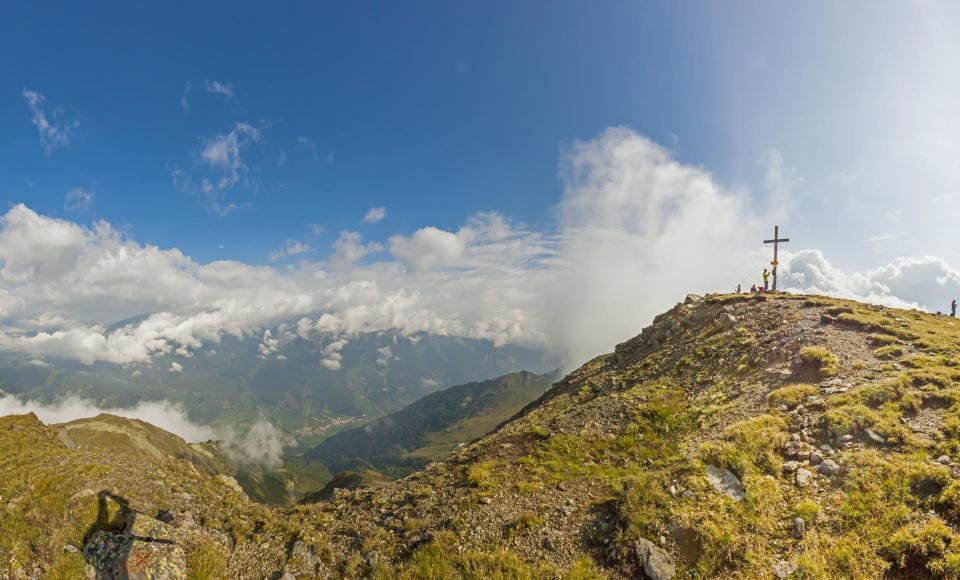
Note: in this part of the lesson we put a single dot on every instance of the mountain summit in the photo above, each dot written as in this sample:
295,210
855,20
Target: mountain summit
737,436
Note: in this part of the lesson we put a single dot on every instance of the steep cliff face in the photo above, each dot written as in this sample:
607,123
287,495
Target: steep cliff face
734,437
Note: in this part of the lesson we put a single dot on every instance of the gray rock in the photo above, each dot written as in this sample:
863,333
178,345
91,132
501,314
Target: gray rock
693,299
816,458
784,569
799,528
848,438
71,549
688,494
724,481
793,448
803,477
829,468
727,320
657,562
943,460
120,556
875,437
371,558
790,466
303,558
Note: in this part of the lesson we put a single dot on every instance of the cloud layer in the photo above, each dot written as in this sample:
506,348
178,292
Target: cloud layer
635,230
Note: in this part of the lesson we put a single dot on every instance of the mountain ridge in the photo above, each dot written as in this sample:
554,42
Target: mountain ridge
736,436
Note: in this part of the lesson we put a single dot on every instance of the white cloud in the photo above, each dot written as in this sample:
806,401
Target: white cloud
261,445
55,132
292,248
350,248
216,87
78,199
268,346
636,230
384,356
176,367
926,282
164,414
225,169
374,215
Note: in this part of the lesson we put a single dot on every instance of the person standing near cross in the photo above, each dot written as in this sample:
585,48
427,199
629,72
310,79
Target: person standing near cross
775,241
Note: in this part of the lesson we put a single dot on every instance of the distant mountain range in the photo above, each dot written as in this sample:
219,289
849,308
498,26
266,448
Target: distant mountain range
296,383
430,428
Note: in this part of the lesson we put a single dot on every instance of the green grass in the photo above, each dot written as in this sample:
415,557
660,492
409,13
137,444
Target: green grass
792,395
822,359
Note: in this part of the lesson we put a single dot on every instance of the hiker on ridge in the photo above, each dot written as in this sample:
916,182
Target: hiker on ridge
953,308
766,280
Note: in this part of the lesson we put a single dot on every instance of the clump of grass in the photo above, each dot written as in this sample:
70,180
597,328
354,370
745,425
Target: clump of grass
806,509
849,417
413,524
440,559
524,522
878,339
643,503
792,395
480,474
584,569
889,352
206,562
749,446
826,362
932,544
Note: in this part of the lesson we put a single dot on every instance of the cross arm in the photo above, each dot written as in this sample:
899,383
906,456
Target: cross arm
775,241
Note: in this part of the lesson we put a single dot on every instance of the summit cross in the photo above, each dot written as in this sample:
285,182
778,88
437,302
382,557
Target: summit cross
775,241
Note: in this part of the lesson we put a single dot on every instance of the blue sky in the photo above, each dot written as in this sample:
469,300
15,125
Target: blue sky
548,173
432,110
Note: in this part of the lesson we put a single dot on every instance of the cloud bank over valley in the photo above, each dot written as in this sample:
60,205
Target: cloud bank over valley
634,230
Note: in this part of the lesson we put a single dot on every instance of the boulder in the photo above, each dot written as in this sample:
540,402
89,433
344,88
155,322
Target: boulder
144,527
724,481
790,466
121,556
657,562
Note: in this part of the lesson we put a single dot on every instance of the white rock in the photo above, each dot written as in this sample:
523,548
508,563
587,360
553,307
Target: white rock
724,481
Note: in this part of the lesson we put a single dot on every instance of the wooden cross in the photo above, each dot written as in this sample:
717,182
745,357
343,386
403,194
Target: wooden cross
775,241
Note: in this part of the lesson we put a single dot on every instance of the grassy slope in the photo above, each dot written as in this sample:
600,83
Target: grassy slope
604,458
432,427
